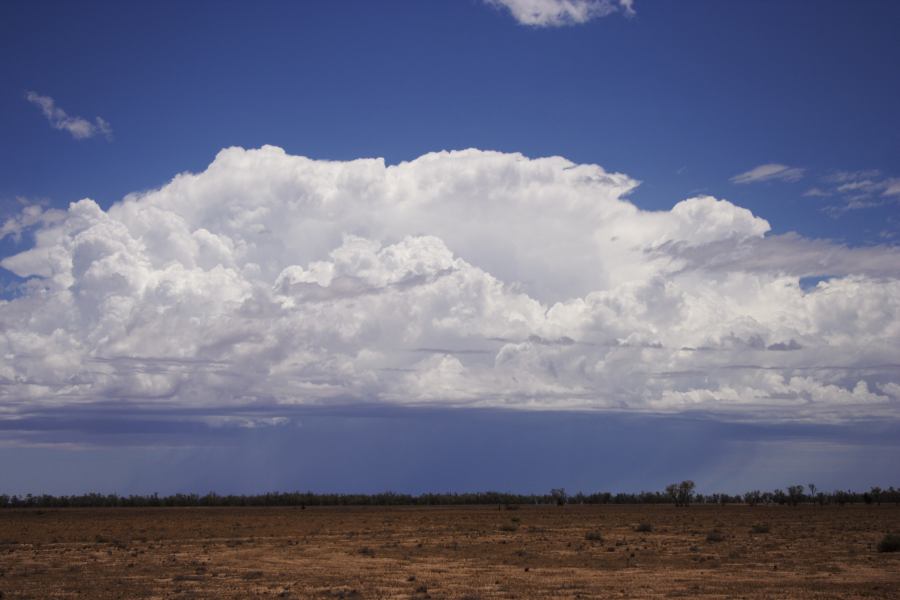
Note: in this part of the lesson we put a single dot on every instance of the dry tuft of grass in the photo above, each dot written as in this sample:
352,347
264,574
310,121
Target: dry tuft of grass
715,536
889,543
593,536
759,528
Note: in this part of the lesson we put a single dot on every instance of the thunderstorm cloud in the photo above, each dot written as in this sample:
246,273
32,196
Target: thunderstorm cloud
458,279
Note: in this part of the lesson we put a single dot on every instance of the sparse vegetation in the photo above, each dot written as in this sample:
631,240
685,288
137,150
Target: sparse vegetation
390,552
680,494
643,528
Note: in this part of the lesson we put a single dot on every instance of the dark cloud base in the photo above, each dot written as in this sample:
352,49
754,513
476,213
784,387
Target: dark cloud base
413,450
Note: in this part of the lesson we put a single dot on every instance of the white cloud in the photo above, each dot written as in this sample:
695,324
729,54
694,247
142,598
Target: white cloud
845,176
463,278
557,13
79,127
769,172
30,215
816,192
857,190
892,187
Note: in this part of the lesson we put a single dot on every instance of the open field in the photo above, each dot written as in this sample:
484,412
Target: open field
466,552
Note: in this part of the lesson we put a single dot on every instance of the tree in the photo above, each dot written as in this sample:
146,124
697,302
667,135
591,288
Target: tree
672,492
681,493
795,494
559,495
685,492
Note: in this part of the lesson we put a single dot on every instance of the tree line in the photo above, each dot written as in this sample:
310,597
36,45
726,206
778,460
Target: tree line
680,494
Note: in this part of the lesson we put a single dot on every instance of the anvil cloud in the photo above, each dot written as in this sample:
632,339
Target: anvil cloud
459,279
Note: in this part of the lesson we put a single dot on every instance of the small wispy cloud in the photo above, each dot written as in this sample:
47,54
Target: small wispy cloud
850,176
857,190
769,172
892,187
557,13
79,127
816,192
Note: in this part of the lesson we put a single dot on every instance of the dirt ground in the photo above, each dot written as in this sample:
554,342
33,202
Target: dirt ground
469,552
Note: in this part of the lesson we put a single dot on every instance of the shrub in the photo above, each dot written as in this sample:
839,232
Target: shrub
644,528
759,528
509,527
593,536
715,536
889,543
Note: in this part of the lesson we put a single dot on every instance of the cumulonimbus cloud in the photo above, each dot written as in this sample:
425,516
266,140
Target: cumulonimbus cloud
78,127
557,13
458,279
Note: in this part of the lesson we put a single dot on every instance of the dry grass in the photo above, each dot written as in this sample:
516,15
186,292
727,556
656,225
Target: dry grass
473,552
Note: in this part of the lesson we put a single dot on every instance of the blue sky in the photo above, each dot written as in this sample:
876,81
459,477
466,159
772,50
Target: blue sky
683,98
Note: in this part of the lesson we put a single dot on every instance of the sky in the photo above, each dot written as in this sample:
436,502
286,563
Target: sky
448,245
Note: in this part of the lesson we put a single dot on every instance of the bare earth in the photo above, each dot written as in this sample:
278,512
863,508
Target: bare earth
470,552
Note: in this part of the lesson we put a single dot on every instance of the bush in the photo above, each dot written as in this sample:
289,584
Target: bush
593,536
644,528
889,543
509,527
759,528
715,536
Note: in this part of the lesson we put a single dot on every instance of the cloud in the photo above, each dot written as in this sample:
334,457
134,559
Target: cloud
78,127
769,172
30,215
790,254
557,13
816,192
857,190
848,176
270,282
891,187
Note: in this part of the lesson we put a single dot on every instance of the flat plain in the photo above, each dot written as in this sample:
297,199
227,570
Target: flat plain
642,551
